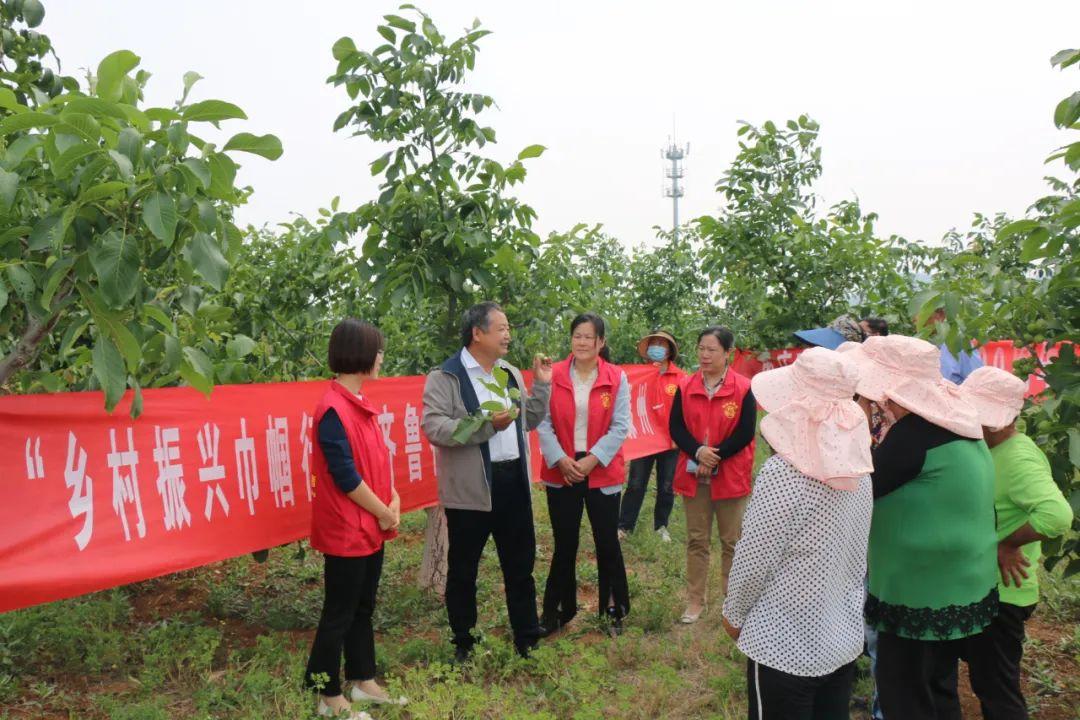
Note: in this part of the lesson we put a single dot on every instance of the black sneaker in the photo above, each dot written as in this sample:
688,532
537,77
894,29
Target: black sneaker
462,654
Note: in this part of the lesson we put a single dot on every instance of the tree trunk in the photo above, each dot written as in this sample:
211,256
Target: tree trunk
433,566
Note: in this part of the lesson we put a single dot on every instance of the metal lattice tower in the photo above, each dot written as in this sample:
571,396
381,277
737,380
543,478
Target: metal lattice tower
674,154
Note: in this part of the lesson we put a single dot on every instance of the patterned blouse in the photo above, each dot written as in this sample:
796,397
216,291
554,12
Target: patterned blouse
796,586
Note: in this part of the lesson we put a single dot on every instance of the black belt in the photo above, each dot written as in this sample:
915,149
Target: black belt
506,464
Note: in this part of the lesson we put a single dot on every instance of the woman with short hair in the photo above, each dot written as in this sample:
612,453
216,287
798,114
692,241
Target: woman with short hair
355,509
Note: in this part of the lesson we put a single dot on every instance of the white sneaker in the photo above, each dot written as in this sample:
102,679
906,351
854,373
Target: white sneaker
664,534
358,695
622,534
327,711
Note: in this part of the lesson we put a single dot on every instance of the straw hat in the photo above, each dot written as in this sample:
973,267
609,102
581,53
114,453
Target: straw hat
996,395
643,344
812,421
907,371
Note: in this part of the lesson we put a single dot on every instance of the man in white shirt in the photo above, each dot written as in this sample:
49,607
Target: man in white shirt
484,481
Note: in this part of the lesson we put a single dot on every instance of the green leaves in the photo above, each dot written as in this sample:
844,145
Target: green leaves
109,371
267,146
9,185
240,346
400,23
112,71
213,111
71,157
1065,58
116,261
1067,111
160,216
33,12
343,48
467,427
26,121
223,175
532,151
197,370
208,261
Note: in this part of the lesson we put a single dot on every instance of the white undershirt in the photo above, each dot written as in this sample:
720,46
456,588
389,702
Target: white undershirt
582,389
503,445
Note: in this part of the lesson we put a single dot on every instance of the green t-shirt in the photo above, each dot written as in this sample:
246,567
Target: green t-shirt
933,550
1024,492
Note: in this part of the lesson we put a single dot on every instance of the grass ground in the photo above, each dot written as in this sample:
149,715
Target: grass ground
230,641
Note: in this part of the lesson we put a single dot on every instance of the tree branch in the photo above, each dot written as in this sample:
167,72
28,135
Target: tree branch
37,330
27,348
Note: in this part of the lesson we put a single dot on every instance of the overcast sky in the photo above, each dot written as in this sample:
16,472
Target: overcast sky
930,111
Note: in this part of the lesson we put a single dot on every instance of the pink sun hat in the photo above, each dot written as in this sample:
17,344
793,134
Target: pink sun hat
996,395
907,371
812,421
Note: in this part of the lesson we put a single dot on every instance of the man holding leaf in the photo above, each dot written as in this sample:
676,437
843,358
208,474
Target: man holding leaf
473,416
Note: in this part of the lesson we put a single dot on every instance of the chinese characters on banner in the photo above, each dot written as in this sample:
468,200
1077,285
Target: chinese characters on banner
92,500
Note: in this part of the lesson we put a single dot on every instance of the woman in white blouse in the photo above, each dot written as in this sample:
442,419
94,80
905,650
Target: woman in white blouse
795,595
581,441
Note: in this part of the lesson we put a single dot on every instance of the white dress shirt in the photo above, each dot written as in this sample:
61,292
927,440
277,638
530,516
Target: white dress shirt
503,445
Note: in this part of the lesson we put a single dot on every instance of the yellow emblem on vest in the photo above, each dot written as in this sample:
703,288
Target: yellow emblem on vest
671,389
605,400
730,410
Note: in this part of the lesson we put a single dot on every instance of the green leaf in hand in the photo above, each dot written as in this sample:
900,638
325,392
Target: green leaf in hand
467,428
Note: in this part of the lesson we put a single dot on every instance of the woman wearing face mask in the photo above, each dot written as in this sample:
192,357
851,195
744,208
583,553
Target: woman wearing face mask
657,395
581,441
712,422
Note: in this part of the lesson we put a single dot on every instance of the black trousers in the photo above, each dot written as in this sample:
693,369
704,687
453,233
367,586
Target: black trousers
916,679
640,470
993,659
776,695
345,624
565,506
510,522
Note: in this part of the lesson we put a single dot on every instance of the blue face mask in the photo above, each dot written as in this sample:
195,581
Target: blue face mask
656,353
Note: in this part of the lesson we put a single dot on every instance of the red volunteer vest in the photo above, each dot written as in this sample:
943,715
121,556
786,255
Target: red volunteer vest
718,416
338,525
660,389
561,410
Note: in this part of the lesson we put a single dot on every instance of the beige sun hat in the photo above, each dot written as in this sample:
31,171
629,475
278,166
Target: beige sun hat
907,371
996,395
812,421
643,344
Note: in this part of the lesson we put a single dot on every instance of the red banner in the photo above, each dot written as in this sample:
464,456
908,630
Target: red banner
93,500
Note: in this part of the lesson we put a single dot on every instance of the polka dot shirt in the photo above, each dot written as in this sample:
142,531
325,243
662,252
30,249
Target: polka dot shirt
796,586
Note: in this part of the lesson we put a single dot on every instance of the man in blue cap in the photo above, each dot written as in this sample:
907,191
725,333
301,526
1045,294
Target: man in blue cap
843,329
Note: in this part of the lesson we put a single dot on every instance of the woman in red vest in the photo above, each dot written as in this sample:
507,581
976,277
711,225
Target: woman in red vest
654,401
355,508
581,441
712,421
